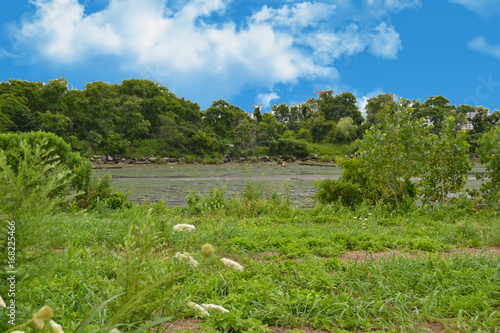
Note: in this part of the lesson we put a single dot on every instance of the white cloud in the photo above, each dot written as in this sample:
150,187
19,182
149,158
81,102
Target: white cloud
302,14
193,45
484,8
266,98
6,54
382,41
385,42
394,5
363,101
480,44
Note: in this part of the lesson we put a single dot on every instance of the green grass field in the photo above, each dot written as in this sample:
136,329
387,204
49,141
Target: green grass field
305,269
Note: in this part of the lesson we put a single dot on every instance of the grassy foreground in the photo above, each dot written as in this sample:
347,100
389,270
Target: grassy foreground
320,268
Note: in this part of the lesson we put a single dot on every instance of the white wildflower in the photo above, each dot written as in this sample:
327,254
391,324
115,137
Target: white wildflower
40,324
56,328
199,309
366,219
232,264
355,217
115,330
187,258
17,332
2,303
369,214
215,307
184,227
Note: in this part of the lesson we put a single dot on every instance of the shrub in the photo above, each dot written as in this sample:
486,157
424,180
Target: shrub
489,153
54,149
118,200
445,170
333,190
289,148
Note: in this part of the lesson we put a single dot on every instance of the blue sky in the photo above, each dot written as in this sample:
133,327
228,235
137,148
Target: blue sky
261,51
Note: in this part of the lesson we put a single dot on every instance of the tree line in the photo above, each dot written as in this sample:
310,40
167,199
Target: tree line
142,118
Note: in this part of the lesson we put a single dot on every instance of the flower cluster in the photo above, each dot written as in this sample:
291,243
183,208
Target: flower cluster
187,258
232,264
202,309
2,303
215,308
43,315
56,328
199,309
184,227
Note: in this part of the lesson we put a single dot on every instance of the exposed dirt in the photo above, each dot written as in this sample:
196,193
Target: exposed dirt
192,324
182,325
434,327
388,254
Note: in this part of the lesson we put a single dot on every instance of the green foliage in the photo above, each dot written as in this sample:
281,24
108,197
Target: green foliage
345,129
212,200
230,322
118,200
51,149
447,164
289,148
394,151
333,190
115,143
489,153
32,179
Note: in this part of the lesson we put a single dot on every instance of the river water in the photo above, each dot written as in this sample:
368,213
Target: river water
171,182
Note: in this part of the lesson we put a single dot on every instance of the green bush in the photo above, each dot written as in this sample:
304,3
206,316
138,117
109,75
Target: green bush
333,190
489,153
289,148
118,200
57,150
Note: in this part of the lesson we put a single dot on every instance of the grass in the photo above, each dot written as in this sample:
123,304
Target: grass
296,274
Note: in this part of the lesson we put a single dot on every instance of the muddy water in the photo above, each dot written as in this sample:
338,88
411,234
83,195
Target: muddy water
172,181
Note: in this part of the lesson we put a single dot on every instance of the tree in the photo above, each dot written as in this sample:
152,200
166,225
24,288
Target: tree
56,123
345,129
394,151
319,128
256,113
222,118
375,105
447,164
489,153
434,110
20,116
244,134
339,106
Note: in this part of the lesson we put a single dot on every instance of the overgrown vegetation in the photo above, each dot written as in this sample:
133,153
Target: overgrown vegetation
91,261
140,118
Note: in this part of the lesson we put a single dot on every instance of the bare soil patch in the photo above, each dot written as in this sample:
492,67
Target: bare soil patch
192,324
388,254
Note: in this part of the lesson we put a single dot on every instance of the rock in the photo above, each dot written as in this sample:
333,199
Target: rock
173,160
109,158
152,159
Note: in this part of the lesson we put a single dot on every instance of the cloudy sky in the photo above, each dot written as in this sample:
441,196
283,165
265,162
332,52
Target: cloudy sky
261,51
